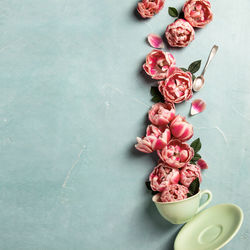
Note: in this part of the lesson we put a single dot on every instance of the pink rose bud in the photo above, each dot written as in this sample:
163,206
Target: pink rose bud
158,63
155,139
180,33
198,12
148,8
181,129
189,173
161,113
177,87
202,164
163,176
176,154
174,192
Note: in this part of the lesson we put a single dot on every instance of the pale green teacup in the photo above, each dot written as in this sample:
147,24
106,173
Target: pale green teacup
179,212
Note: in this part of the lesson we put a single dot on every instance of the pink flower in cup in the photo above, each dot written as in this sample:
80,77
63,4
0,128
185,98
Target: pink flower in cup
158,63
163,176
198,12
181,129
189,173
176,154
180,33
161,113
177,87
174,192
148,8
155,139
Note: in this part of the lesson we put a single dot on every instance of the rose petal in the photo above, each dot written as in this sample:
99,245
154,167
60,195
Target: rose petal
197,106
155,41
202,164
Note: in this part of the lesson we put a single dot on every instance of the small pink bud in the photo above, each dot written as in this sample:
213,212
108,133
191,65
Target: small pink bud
202,164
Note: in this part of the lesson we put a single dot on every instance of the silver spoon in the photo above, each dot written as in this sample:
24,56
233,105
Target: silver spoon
199,80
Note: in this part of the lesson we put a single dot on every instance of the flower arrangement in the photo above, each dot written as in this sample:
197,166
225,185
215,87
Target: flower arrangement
179,166
180,33
178,174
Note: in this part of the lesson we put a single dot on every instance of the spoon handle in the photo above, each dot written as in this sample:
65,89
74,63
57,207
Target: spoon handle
210,57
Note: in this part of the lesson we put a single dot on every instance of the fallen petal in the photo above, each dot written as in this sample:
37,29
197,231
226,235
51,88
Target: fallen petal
197,106
155,41
202,164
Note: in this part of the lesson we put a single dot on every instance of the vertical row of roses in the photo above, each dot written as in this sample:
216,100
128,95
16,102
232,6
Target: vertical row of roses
168,132
197,13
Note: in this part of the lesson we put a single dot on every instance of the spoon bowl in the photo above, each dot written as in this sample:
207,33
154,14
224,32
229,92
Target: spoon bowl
198,83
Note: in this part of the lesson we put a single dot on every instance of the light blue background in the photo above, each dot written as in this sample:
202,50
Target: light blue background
73,100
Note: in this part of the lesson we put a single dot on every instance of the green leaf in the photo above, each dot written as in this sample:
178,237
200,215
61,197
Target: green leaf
189,195
181,15
156,95
196,145
173,12
147,183
194,186
154,91
185,70
156,99
194,66
154,192
196,158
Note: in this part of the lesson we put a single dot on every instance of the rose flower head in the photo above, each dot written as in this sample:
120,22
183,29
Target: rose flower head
179,33
158,63
148,8
177,87
163,176
198,12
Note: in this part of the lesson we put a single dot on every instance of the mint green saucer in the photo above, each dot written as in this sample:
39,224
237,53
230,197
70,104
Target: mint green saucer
211,229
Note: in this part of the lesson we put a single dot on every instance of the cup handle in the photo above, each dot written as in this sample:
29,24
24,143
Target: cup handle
209,198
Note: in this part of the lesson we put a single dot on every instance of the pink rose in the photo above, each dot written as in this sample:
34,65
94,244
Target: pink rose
163,176
158,63
198,12
176,154
155,139
177,87
161,113
174,192
148,8
181,129
180,33
189,173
